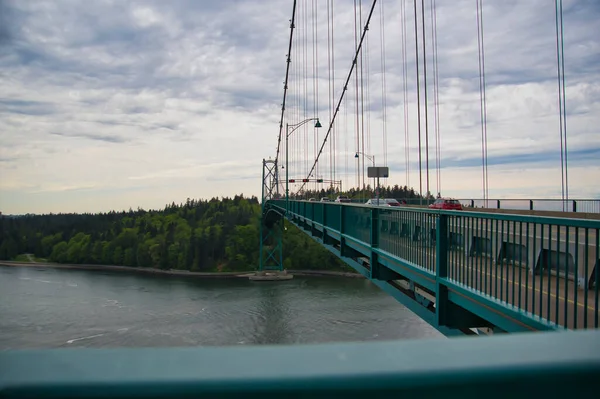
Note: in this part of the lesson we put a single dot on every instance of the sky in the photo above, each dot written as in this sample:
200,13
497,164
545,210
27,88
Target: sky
124,104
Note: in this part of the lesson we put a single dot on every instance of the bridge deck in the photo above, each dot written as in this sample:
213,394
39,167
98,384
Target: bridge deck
543,269
545,294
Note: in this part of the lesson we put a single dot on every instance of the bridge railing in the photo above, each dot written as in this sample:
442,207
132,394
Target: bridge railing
545,269
552,205
539,204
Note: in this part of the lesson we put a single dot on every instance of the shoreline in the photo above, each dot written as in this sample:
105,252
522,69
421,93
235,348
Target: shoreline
173,272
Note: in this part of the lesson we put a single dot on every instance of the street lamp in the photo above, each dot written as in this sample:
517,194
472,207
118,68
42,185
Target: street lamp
287,135
372,159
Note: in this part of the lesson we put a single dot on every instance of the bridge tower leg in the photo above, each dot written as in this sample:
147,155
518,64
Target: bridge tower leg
271,229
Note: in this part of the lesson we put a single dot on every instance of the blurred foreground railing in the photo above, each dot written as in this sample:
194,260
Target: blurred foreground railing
508,366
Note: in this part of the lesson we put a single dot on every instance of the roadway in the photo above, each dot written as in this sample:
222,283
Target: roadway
546,295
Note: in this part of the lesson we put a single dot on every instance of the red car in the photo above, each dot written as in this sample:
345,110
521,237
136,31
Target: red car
446,203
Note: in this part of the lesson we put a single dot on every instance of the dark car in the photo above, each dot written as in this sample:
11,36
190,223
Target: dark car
447,204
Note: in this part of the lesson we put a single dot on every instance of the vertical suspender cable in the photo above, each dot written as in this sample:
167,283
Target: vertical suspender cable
367,72
287,70
383,84
332,142
305,116
346,142
560,123
405,91
357,130
418,102
314,80
436,95
362,102
425,97
354,63
562,112
298,66
335,131
564,101
482,100
487,183
304,91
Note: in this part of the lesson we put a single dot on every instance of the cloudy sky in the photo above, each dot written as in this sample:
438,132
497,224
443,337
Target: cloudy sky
118,104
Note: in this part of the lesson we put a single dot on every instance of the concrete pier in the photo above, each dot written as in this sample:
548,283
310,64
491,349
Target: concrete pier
271,276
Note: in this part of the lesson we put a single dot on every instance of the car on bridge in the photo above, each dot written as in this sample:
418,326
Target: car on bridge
325,199
342,198
383,202
447,204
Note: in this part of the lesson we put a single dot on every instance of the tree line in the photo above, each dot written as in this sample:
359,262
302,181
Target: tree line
221,234
396,191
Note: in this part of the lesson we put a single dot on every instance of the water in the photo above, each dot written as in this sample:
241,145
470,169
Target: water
53,308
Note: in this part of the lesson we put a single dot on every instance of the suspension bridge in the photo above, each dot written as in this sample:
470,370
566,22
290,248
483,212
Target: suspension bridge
487,269
490,269
467,272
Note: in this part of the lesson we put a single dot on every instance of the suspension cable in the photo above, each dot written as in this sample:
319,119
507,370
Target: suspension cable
562,113
335,132
425,98
315,78
354,61
285,84
562,45
482,99
418,101
304,129
367,72
405,91
362,101
356,127
436,96
331,143
383,82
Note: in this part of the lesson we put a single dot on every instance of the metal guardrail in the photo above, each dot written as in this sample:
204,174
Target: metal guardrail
539,269
539,204
506,366
553,205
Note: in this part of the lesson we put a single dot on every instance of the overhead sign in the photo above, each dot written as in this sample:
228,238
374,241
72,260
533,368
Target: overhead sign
378,171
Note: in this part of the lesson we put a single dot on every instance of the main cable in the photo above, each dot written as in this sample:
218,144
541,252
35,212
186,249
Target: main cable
285,84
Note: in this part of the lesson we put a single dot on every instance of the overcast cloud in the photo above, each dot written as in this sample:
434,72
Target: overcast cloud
117,104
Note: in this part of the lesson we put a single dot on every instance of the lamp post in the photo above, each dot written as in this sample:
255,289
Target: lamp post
372,159
287,135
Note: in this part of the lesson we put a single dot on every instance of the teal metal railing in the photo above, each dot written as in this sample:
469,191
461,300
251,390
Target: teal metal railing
536,204
535,272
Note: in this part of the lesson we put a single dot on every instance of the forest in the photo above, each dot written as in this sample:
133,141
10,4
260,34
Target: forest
362,195
216,235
